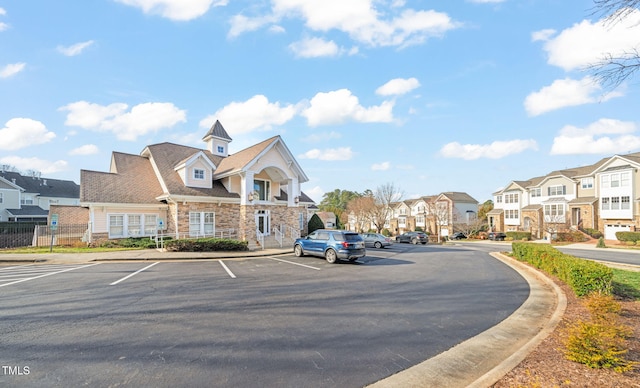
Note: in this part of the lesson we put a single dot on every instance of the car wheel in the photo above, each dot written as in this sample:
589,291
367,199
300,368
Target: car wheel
414,241
378,245
424,243
331,256
297,250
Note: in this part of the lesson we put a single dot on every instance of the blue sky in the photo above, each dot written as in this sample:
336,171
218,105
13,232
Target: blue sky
431,96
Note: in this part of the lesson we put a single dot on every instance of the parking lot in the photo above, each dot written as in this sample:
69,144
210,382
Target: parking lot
273,321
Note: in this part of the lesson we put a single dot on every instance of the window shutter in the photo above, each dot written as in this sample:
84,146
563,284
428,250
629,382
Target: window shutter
548,191
564,190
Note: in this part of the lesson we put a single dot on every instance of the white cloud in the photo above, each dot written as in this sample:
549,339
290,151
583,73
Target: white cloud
315,47
75,49
140,120
398,86
360,19
36,164
339,106
316,193
3,26
384,166
180,10
2,11
586,43
564,93
22,132
343,153
495,150
87,149
542,35
12,69
605,136
255,114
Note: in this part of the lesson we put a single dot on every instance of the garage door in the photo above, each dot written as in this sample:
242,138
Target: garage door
610,231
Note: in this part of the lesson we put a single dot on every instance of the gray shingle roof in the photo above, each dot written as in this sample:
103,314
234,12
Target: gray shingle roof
217,130
45,187
29,210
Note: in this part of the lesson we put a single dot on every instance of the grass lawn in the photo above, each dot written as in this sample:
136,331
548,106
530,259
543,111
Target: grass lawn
626,284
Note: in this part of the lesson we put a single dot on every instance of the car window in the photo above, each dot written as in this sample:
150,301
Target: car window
351,237
323,235
312,235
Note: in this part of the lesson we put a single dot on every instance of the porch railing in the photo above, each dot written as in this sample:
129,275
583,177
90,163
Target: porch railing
260,238
278,235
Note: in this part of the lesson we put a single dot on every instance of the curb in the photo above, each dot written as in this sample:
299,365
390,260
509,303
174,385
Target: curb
484,359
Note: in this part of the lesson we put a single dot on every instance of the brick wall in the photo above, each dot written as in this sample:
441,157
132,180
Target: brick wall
69,215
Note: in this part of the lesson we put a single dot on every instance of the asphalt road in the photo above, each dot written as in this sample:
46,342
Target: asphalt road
270,322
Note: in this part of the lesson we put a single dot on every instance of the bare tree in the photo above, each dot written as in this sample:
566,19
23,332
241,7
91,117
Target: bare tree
384,197
359,211
613,69
438,213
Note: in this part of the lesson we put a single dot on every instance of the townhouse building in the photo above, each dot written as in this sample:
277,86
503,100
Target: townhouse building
440,214
29,197
602,196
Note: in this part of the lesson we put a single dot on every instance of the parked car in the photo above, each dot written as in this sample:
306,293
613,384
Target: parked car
457,236
413,238
496,236
376,240
331,244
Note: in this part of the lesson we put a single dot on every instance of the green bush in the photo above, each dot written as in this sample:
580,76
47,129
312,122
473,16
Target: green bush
385,232
601,243
138,242
206,245
519,236
594,233
583,276
628,236
315,223
573,236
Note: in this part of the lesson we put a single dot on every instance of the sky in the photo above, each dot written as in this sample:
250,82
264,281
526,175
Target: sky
431,96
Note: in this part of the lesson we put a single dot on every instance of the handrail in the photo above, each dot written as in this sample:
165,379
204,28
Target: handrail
260,238
278,235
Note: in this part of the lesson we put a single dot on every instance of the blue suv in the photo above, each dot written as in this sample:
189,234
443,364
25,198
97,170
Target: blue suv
331,244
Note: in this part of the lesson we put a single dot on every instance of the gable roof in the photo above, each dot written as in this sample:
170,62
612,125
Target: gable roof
166,156
457,196
45,187
134,182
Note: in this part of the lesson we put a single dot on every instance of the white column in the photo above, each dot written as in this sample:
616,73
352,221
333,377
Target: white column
246,187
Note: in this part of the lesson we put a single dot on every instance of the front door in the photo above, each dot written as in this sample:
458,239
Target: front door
262,222
575,216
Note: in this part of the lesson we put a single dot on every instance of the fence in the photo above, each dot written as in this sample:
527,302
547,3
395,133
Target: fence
66,235
17,234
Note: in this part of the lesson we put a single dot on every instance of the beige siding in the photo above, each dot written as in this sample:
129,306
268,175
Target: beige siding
191,181
100,215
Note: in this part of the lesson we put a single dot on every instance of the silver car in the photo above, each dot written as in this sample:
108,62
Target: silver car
376,240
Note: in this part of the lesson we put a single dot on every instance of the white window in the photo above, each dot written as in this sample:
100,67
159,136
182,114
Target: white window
201,224
403,211
625,179
150,224
263,189
220,149
624,203
134,224
615,180
587,183
554,212
615,203
511,198
499,199
511,213
605,203
116,225
537,192
26,200
420,220
557,190
198,173
604,181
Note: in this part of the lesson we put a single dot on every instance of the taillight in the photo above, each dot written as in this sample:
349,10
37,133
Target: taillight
345,244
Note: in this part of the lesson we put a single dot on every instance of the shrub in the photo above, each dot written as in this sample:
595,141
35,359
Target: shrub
573,236
583,276
385,232
138,242
628,236
601,243
595,233
206,245
315,223
520,236
601,341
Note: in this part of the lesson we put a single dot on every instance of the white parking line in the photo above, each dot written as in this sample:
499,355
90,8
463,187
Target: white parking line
227,269
291,262
135,273
47,274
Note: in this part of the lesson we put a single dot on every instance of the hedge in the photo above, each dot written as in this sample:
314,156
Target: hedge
519,236
628,236
583,276
206,245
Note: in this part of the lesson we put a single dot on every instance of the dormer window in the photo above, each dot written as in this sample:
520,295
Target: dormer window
198,173
220,149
